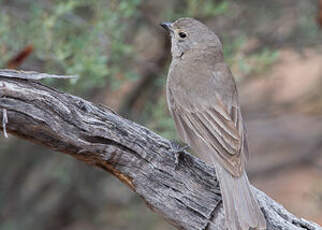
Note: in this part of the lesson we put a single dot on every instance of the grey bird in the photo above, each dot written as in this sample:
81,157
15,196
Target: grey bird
203,101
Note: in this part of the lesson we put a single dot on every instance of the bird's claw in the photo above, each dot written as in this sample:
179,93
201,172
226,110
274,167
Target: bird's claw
177,149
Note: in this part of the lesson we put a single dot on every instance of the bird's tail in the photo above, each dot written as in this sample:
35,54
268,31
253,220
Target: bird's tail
241,207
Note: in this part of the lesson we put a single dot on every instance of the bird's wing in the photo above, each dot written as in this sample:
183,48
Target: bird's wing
215,125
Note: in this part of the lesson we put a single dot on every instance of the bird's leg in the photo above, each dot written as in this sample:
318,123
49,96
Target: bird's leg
177,149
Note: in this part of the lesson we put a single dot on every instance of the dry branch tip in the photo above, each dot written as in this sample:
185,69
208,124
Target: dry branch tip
32,75
4,122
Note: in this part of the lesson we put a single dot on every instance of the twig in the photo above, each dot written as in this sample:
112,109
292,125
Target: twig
4,122
31,75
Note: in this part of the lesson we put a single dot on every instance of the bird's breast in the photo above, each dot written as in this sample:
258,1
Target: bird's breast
189,78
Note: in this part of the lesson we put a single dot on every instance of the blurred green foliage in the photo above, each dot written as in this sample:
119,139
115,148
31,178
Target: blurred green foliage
205,8
87,38
197,9
160,120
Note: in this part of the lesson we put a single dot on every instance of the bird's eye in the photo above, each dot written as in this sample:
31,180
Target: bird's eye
182,34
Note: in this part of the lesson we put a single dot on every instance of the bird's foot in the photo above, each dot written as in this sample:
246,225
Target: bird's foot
177,149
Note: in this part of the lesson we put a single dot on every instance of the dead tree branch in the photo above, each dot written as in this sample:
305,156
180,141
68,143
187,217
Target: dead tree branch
187,196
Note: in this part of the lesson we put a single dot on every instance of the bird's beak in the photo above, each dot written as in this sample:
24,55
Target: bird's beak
167,26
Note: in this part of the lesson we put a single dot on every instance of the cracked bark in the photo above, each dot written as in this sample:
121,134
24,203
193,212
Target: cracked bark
187,196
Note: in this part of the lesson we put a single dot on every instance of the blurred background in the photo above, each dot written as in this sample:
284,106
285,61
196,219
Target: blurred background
121,54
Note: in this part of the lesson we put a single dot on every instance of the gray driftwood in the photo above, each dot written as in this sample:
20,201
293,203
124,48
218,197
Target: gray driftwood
187,196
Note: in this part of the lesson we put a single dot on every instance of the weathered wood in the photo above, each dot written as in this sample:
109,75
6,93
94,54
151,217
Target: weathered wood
31,75
188,196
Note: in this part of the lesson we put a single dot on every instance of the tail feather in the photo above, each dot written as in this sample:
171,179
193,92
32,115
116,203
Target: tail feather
241,207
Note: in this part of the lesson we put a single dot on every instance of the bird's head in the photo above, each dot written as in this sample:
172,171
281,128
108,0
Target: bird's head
188,34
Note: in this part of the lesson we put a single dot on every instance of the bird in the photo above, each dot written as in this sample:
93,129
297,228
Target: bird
203,101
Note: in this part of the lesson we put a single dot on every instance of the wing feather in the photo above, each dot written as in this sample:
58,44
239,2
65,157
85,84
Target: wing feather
221,136
200,134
